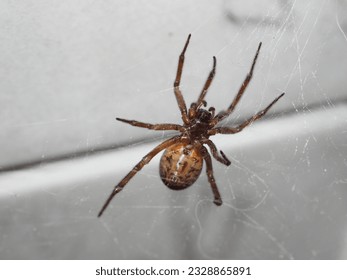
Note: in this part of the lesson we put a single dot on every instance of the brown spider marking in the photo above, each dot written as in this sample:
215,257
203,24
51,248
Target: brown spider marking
175,173
182,161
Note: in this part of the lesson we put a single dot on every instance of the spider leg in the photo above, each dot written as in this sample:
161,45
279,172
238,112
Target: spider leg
179,97
222,159
166,126
146,159
209,171
223,114
207,85
232,130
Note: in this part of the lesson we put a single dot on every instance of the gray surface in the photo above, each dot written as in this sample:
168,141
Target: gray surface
284,197
69,67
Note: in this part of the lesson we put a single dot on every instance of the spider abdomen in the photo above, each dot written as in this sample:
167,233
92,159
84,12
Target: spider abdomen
180,166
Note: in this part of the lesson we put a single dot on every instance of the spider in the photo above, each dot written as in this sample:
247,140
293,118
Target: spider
182,161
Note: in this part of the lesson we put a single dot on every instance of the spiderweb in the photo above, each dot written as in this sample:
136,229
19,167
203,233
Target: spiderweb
284,193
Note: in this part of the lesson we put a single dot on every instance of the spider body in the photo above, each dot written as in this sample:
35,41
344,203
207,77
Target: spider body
180,165
196,132
182,161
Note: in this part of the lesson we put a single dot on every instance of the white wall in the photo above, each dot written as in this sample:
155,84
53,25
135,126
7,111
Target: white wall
68,68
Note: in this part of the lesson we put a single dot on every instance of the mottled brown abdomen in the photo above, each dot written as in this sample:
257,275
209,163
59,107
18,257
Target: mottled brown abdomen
180,166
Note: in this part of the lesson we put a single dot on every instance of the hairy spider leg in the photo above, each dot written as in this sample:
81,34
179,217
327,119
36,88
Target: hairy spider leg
145,160
179,97
210,177
161,126
207,84
223,114
232,130
222,159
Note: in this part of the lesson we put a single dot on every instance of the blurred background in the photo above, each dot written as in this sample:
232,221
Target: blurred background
69,68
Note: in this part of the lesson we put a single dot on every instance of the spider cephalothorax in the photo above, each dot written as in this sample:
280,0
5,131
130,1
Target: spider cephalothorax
182,161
